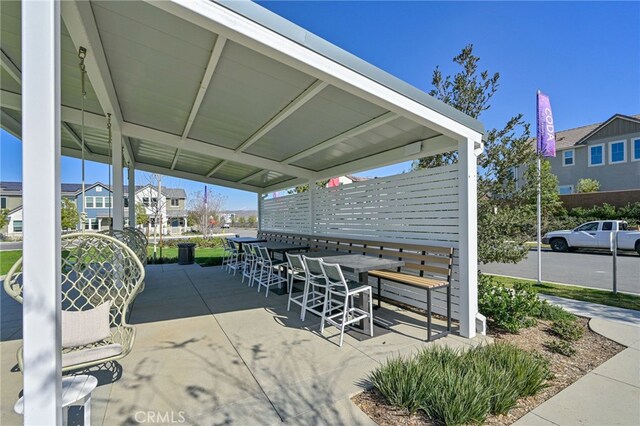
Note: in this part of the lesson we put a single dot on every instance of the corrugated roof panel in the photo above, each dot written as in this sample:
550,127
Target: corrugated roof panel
10,31
328,114
97,140
234,171
380,139
8,83
268,178
246,91
195,163
156,62
156,155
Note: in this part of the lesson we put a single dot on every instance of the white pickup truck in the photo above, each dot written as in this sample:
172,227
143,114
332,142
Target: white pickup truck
594,235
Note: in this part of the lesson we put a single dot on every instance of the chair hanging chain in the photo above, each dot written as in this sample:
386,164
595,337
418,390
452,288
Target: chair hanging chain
109,166
82,54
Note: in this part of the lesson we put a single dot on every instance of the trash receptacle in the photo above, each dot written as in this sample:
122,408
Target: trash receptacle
186,253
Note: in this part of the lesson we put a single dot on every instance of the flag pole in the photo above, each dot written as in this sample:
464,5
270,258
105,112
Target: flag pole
539,207
539,224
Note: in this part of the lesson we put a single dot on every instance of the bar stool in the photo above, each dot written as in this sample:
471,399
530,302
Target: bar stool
268,277
314,288
296,273
339,307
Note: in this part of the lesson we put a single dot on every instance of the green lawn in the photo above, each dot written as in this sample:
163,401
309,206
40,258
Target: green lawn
602,297
7,259
204,256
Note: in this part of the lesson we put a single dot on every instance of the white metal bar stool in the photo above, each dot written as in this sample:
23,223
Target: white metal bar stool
268,277
297,272
315,288
250,262
339,307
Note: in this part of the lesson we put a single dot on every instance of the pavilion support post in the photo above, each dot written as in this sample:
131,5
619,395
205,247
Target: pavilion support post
468,251
259,194
41,201
131,181
312,216
118,182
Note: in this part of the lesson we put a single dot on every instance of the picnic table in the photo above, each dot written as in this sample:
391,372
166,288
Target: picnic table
246,240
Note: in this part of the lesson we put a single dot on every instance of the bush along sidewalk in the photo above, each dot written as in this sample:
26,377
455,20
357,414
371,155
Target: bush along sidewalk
454,388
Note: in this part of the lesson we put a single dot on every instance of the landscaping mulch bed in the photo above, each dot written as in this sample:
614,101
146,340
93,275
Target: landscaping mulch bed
591,351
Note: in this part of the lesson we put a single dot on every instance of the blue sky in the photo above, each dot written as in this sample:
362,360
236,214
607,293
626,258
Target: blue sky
584,55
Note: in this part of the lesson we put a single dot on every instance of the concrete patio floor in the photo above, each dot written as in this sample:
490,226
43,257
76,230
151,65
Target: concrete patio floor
210,350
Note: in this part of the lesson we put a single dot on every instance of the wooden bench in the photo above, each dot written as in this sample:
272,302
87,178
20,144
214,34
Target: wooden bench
426,267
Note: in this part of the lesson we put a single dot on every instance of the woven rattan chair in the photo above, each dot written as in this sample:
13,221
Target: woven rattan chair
96,269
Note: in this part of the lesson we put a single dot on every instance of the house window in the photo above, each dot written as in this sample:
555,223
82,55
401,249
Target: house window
636,150
99,202
617,152
145,201
565,189
3,201
89,202
175,202
107,201
17,226
596,155
568,157
98,189
126,201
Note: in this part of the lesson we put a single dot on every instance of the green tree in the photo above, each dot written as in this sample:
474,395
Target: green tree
587,185
142,218
505,209
242,221
69,216
4,218
252,221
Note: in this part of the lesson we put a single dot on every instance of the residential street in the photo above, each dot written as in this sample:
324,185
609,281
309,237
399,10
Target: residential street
581,268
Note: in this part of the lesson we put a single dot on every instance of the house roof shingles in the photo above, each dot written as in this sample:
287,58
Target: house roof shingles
572,137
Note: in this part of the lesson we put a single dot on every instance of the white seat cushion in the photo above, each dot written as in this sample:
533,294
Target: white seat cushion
91,354
81,328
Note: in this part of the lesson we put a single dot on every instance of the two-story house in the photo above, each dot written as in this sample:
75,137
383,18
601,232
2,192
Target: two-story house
170,207
98,202
11,200
608,152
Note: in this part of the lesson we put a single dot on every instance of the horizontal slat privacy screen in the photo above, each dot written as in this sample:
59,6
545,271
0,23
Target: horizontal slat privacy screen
418,207
286,214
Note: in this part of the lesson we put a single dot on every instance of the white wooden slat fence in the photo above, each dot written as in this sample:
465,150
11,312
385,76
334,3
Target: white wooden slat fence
418,207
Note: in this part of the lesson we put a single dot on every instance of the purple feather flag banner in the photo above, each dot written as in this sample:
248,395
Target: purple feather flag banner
546,131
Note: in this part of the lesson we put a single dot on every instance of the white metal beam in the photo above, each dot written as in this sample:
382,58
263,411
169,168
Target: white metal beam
117,190
216,168
216,53
284,185
10,124
251,176
131,189
293,106
197,147
358,130
10,67
41,309
468,245
81,24
74,136
10,100
77,153
432,146
198,178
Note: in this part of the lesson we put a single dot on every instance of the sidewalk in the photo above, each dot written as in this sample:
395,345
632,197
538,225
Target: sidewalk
608,395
